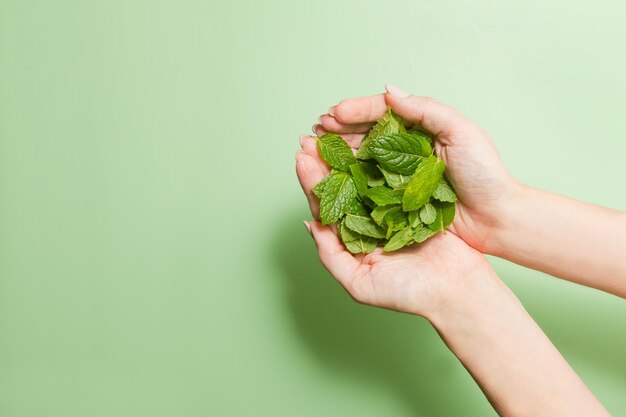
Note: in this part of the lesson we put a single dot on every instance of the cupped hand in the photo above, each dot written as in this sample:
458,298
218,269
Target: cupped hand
420,279
484,186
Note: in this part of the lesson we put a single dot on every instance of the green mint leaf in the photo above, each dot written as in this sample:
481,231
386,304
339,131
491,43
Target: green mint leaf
428,213
376,182
363,152
395,219
373,174
384,196
346,234
414,218
395,180
364,244
423,183
399,240
420,234
400,153
364,225
390,217
338,196
355,207
360,180
369,203
424,140
365,175
444,192
445,216
388,124
318,189
379,213
427,136
335,151
355,242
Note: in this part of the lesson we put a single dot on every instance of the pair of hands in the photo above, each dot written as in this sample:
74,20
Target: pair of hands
421,279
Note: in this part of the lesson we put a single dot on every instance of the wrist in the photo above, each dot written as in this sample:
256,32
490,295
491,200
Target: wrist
477,296
509,220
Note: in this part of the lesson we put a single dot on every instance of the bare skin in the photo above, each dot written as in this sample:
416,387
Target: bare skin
447,279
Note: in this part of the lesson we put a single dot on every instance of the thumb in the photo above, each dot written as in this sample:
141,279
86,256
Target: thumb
333,254
439,119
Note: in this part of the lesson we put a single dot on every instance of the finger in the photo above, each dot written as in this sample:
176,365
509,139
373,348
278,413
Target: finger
309,147
353,139
309,174
360,109
319,130
334,256
437,118
330,124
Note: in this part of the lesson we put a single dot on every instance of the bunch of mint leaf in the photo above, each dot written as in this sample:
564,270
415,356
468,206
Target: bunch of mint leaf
393,192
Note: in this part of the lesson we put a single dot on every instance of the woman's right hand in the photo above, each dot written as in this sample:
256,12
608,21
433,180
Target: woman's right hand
485,188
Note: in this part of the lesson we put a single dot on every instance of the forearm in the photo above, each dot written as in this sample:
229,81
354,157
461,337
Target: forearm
516,366
580,242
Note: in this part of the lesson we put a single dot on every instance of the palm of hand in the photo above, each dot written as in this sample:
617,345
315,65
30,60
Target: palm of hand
417,279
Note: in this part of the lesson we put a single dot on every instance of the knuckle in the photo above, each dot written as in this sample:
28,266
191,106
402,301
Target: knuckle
342,112
325,121
319,130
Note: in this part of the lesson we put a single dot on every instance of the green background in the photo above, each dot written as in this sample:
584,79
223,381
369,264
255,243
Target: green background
153,260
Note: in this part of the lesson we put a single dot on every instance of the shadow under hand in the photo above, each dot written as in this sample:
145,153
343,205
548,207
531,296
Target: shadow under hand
397,352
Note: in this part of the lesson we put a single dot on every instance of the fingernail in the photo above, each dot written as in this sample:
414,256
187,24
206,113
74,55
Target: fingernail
302,139
307,225
314,127
396,91
331,111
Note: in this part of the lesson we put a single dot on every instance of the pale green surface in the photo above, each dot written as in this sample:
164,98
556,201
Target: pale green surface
152,256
